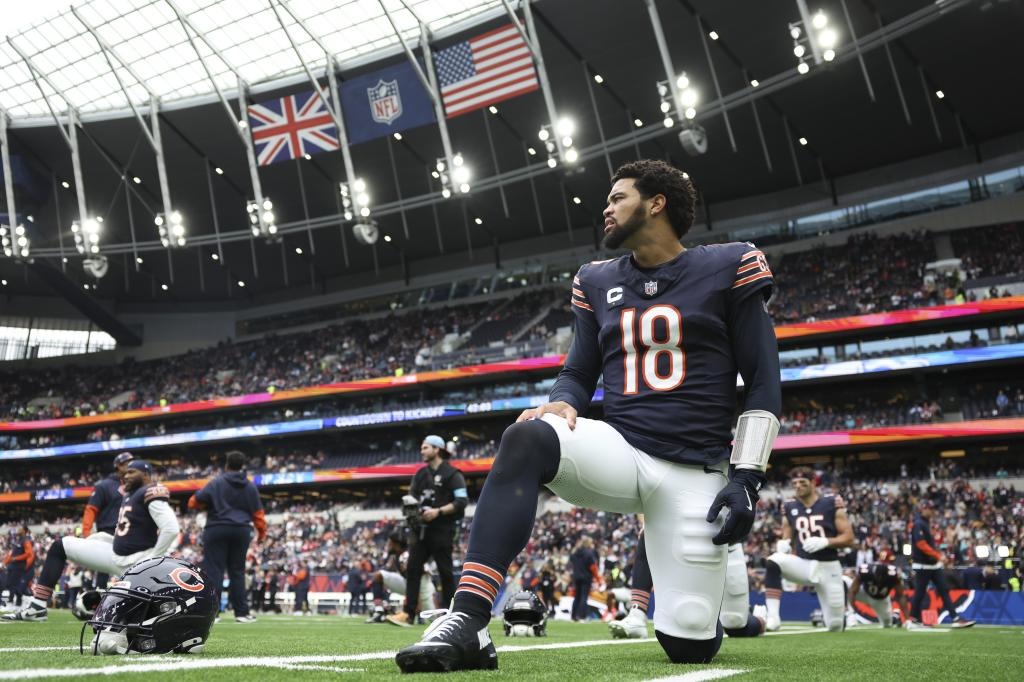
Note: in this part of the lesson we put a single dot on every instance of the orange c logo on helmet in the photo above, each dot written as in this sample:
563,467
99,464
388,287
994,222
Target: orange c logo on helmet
187,579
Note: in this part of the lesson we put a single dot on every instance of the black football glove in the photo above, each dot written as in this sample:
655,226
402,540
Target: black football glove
740,497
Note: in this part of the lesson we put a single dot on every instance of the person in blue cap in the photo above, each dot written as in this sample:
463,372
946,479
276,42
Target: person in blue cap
438,492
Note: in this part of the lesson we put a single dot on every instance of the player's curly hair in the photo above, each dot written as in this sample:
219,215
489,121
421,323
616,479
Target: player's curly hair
654,176
801,472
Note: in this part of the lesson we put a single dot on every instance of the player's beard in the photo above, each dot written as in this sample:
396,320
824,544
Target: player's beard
620,233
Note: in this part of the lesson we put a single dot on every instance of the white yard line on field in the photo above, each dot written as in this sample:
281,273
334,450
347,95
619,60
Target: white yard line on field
700,675
13,649
805,631
139,665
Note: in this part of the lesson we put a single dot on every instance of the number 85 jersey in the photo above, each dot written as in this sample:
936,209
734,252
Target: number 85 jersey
669,342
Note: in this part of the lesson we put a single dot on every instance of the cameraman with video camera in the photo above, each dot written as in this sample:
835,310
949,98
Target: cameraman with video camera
433,510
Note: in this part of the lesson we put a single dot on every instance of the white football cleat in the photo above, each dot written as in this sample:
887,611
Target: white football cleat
633,626
772,624
29,612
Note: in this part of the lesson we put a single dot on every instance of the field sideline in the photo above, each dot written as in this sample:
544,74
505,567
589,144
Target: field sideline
331,647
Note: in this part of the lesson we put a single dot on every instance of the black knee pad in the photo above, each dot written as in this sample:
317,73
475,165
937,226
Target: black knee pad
682,650
530,446
772,575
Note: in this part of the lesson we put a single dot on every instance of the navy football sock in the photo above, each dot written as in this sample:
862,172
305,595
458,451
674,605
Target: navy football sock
56,559
377,590
641,578
773,576
527,459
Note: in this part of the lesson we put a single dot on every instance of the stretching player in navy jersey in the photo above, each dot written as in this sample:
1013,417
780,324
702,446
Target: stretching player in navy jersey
815,527
146,527
668,328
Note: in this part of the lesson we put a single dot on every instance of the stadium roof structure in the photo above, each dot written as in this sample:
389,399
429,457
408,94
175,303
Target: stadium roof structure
776,135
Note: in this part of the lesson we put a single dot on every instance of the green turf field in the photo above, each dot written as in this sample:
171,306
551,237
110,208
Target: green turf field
331,647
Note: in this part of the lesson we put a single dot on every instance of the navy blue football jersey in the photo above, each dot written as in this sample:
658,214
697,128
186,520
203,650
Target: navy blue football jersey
817,520
106,497
668,342
16,547
136,529
878,580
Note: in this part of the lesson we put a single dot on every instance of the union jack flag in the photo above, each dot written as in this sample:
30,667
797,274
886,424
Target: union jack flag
287,128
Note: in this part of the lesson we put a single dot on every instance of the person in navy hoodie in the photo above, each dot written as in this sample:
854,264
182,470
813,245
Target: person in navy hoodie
233,508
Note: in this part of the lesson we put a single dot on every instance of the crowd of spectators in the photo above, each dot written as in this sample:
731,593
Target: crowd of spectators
867,274
823,412
992,250
880,510
316,537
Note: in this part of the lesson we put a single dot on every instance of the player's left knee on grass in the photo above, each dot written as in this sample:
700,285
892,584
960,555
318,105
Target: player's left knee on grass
683,650
732,621
689,616
752,627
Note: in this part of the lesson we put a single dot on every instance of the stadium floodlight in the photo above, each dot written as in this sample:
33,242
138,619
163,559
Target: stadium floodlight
680,97
87,235
982,551
1003,551
813,39
455,178
354,199
15,242
598,78
262,220
171,228
563,128
688,97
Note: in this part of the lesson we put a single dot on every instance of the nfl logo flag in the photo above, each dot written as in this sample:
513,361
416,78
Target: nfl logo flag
287,128
386,101
483,70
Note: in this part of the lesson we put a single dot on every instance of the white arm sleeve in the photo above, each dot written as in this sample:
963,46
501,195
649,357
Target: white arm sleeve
755,435
167,523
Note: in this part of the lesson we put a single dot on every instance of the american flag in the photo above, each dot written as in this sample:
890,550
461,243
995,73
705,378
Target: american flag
486,69
289,127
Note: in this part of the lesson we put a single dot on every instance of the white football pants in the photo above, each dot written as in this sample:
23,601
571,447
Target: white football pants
881,607
827,579
394,582
96,552
600,470
736,606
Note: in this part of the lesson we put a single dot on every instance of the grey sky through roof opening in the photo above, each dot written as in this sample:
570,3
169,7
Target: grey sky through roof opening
146,34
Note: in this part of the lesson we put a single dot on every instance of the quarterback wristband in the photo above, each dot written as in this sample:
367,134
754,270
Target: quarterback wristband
755,435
